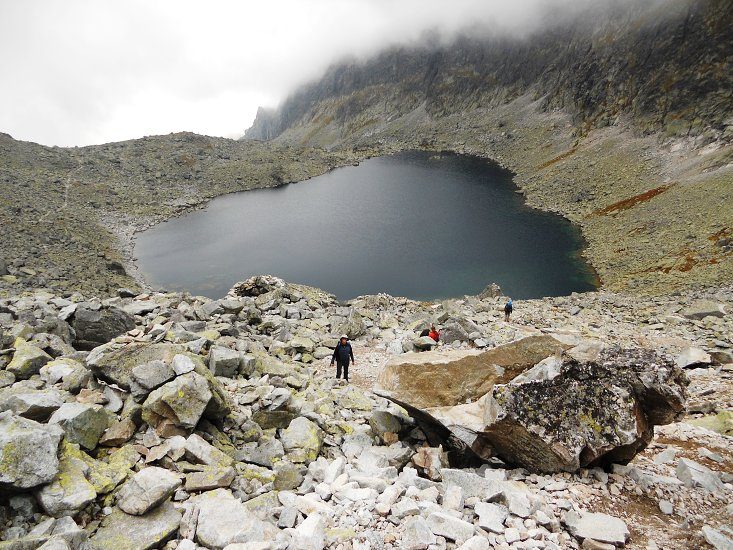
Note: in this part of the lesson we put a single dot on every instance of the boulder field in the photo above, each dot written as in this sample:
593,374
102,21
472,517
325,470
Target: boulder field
164,420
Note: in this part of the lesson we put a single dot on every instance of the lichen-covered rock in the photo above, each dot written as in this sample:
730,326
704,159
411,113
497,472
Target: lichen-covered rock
721,422
146,490
114,364
123,531
70,491
383,422
211,477
451,377
224,361
84,424
302,440
28,452
181,402
353,326
95,326
591,414
201,451
27,359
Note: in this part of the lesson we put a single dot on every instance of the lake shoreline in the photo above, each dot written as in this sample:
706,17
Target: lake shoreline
418,159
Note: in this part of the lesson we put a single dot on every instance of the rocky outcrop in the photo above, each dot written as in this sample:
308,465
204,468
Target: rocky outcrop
591,414
446,378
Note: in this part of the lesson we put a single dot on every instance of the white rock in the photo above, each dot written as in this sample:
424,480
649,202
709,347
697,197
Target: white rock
182,364
405,507
692,356
450,527
511,535
693,474
391,493
491,516
666,507
416,534
453,498
223,520
334,469
716,539
475,543
597,526
311,534
311,504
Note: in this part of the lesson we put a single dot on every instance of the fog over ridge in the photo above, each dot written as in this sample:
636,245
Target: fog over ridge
83,71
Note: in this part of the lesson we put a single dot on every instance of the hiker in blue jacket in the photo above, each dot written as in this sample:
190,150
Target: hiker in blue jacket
341,355
508,308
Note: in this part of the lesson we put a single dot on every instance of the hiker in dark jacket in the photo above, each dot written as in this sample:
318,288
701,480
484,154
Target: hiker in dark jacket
341,355
508,308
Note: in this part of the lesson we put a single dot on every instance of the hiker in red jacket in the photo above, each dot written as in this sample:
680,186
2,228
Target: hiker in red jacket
434,334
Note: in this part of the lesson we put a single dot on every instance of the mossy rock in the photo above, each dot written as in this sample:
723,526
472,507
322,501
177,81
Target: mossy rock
27,359
121,531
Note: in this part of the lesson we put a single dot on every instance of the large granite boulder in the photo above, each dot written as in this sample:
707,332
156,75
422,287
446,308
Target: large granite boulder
115,364
450,377
127,532
591,414
353,326
27,359
181,402
96,325
28,452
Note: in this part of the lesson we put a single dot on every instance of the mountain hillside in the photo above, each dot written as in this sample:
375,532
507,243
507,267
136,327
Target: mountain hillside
619,118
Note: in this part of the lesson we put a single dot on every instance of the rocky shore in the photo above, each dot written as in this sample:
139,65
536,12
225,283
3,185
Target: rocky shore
167,420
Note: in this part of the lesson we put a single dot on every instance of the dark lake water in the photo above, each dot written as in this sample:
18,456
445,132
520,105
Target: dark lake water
415,224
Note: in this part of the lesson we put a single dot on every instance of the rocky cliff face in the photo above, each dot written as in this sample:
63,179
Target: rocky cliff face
667,65
619,119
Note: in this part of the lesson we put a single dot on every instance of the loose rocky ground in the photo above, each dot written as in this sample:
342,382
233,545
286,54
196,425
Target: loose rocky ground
136,421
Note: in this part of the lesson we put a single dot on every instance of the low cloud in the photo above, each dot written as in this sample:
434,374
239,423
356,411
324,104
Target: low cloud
88,71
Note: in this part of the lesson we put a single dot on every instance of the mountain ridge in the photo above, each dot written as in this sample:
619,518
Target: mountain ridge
589,65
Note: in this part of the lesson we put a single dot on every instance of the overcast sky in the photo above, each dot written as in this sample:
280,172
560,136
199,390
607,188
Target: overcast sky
77,72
